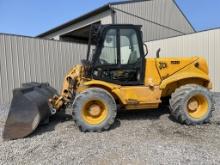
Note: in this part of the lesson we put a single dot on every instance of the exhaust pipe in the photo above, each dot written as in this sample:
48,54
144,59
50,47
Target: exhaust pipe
29,107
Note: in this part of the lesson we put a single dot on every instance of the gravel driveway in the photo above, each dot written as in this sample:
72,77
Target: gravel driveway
143,137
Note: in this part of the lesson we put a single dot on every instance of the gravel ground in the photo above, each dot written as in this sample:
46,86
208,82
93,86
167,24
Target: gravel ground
143,137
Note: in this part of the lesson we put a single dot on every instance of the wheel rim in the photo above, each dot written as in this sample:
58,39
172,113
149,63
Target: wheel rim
197,106
94,112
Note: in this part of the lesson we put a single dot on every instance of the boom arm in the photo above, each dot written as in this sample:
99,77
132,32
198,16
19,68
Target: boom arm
70,84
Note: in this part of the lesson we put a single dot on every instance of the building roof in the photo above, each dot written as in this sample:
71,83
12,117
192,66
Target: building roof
87,15
97,11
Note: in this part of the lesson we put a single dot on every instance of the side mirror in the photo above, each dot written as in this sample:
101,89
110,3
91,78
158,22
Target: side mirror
145,50
158,53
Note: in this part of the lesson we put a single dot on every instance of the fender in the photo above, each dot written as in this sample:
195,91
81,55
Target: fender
110,87
102,83
184,75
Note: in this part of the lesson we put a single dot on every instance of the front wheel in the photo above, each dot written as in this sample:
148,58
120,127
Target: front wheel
192,104
94,110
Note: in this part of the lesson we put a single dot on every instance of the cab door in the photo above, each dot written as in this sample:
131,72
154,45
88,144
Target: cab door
121,57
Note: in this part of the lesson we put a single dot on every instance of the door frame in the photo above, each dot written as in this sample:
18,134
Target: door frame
117,66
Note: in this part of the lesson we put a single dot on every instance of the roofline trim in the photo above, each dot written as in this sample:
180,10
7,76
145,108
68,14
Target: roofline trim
100,10
127,2
174,1
84,16
78,19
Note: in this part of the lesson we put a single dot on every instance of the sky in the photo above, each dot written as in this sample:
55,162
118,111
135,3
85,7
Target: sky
32,17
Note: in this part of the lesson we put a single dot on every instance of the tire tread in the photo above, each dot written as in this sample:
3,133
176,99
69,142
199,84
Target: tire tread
176,102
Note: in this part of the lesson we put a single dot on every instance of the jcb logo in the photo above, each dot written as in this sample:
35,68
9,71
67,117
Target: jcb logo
162,65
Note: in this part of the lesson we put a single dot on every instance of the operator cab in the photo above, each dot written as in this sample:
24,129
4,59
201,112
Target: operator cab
117,54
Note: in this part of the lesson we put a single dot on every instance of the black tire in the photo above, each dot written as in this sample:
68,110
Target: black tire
179,104
94,94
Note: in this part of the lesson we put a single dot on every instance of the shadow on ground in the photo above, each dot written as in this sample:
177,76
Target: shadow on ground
146,114
53,121
122,115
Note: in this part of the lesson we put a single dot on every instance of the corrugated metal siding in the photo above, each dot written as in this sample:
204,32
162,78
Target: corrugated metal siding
163,12
150,31
206,44
26,59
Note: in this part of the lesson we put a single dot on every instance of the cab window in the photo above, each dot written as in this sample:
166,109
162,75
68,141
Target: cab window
129,46
108,54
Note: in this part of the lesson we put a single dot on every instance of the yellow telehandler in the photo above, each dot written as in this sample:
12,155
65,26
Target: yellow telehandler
116,74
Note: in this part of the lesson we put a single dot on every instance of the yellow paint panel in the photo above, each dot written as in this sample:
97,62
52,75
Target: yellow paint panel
138,94
152,77
169,66
101,83
190,72
130,95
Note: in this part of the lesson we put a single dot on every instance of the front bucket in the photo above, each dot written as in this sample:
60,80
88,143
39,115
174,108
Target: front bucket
28,108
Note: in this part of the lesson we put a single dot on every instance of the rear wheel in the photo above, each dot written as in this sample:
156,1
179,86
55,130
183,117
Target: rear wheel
94,110
192,104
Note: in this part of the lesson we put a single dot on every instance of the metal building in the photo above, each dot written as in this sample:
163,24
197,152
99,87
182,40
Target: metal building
160,19
206,44
26,59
